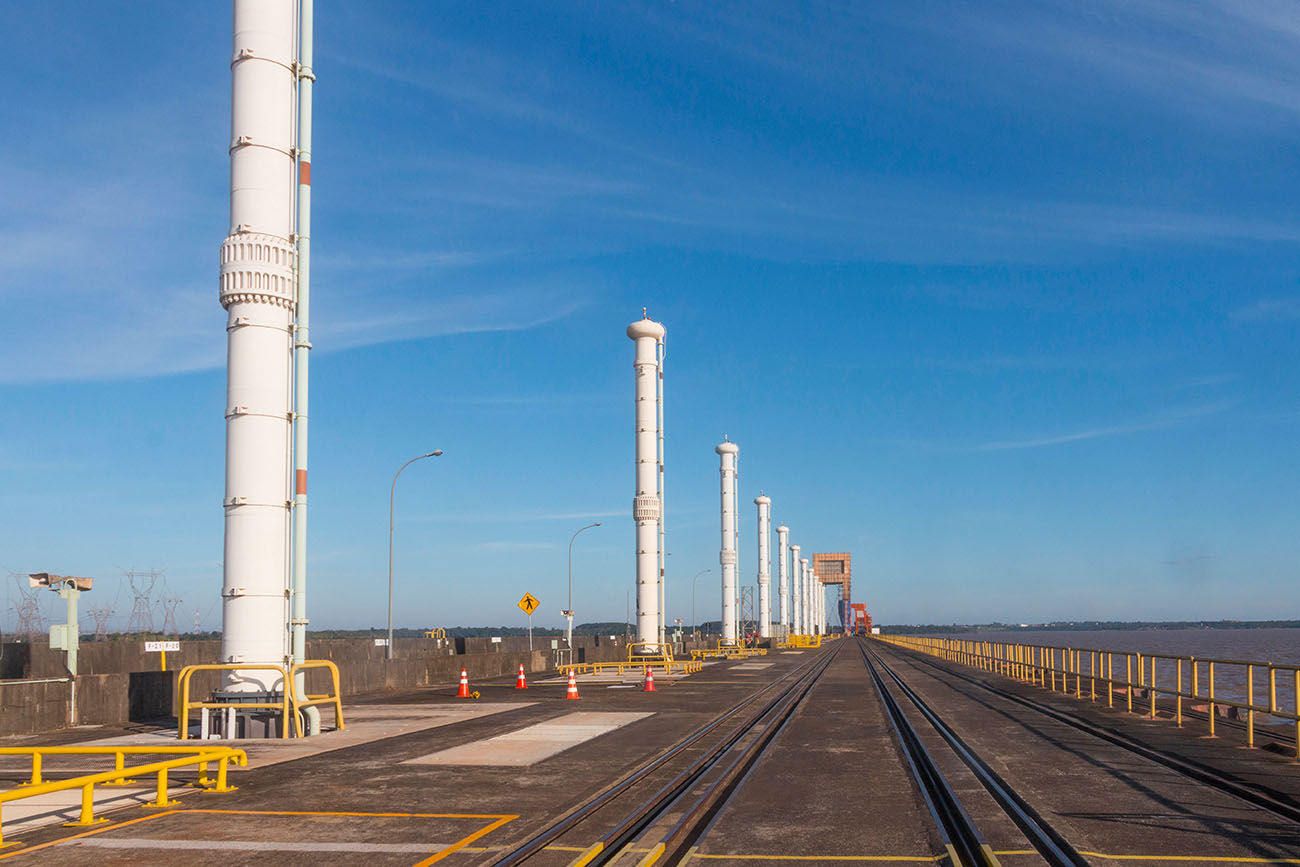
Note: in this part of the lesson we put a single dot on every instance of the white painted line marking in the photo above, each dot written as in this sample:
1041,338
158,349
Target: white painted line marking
530,745
256,845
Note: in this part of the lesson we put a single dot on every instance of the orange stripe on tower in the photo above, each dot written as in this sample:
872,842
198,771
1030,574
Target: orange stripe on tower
301,487
304,174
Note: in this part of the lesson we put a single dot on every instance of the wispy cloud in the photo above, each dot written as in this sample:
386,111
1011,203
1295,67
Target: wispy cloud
520,517
1038,363
506,545
178,332
1268,310
1207,381
545,397
1168,421
344,260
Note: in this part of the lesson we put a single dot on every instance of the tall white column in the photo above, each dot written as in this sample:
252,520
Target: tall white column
783,577
818,597
727,452
764,567
805,594
796,592
821,604
647,335
257,291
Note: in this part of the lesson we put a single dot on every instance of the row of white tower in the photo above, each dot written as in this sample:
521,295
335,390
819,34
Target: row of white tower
801,600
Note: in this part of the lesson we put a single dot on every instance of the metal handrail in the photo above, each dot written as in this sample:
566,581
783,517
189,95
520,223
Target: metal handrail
1050,666
335,698
289,705
183,686
198,756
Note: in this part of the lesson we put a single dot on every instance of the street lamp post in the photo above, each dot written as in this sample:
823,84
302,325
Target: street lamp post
392,494
569,612
695,624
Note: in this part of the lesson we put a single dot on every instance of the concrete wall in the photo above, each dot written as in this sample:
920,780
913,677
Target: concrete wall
119,682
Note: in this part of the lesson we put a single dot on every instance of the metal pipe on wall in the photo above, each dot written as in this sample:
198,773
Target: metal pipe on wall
727,452
659,428
257,289
764,504
301,349
783,577
646,334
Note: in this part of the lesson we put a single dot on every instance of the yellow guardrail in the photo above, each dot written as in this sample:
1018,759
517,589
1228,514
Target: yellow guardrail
802,641
289,704
728,651
640,654
1079,671
200,757
437,632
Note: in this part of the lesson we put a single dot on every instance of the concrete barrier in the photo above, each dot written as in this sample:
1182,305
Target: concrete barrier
119,682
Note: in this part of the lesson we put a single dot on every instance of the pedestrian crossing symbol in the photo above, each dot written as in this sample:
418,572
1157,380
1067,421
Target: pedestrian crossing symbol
529,604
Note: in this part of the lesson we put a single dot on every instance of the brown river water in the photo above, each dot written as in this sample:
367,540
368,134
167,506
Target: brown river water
1262,645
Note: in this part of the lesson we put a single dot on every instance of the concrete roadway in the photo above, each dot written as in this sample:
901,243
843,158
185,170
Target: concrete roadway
832,790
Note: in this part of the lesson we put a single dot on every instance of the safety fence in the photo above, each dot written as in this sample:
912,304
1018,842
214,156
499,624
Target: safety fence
1189,683
640,655
121,774
289,704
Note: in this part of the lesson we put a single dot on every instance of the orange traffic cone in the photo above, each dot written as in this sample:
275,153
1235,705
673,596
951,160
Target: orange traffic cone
520,683
463,692
573,686
649,684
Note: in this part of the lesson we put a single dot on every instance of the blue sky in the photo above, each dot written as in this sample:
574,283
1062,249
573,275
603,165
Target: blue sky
999,297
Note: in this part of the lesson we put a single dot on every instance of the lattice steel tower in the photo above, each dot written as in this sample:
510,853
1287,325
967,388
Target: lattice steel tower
142,584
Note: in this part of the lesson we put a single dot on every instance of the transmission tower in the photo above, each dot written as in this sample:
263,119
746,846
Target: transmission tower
748,623
198,621
169,619
101,616
142,584
28,607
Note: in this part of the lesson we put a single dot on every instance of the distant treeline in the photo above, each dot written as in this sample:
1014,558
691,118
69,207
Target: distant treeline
1083,626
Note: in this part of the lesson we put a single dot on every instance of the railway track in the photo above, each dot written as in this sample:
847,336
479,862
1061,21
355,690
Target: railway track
1274,802
965,843
659,810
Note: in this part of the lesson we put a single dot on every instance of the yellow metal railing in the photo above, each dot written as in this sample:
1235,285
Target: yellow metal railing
436,632
640,654
200,757
1081,672
289,703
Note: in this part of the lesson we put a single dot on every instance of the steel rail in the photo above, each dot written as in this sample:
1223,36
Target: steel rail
588,808
1257,796
1054,848
961,837
699,818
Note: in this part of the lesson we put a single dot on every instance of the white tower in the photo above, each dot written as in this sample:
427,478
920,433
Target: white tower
727,452
796,603
257,291
764,567
782,578
805,598
646,508
820,590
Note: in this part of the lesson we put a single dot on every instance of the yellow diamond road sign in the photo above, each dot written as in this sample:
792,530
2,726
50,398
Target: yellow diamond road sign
529,604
